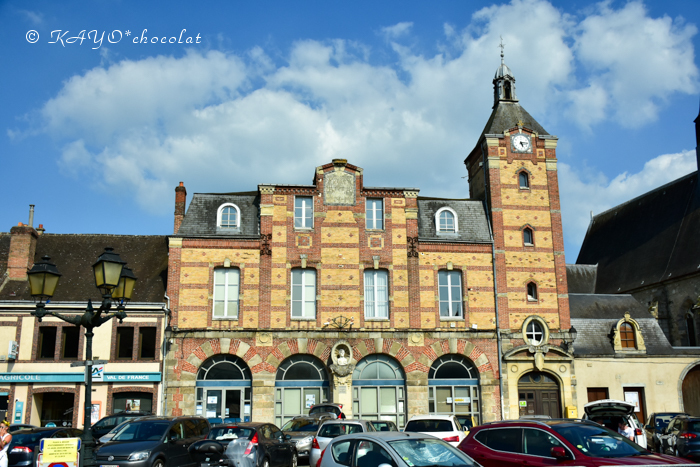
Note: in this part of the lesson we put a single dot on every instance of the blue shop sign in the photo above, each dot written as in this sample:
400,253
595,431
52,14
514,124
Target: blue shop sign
77,377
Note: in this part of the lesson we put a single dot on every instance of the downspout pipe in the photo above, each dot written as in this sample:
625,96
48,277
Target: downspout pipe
499,352
164,352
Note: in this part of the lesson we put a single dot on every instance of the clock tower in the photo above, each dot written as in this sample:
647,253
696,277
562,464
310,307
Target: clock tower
513,169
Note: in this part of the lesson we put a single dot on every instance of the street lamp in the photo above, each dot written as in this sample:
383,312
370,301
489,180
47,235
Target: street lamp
115,281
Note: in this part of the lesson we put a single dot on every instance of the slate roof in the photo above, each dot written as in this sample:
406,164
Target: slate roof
581,278
646,240
506,115
595,315
75,254
200,219
472,223
4,251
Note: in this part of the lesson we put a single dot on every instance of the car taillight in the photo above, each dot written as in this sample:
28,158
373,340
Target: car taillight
253,443
451,439
638,431
318,463
18,449
314,444
688,436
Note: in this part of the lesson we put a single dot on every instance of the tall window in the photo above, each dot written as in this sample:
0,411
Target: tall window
450,292
303,212
690,326
524,180
376,294
303,293
70,338
532,292
446,220
528,238
228,216
125,343
627,336
147,342
375,213
226,291
47,342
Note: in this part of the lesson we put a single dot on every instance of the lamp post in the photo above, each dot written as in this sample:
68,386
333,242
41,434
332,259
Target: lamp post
115,281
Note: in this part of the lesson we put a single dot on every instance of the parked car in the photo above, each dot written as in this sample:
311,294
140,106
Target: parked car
560,442
153,442
655,426
392,448
467,421
247,445
445,427
332,429
107,424
20,426
111,433
682,437
327,407
302,430
384,425
609,413
24,446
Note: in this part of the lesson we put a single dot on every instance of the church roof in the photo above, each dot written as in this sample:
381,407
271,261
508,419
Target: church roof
646,240
506,116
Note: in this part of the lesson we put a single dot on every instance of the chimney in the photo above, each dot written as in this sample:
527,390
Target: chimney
31,215
180,198
22,249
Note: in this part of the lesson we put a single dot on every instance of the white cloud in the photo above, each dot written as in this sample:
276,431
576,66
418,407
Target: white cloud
586,193
33,17
397,30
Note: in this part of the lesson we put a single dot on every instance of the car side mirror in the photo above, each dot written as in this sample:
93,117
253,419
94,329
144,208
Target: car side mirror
559,452
287,437
172,438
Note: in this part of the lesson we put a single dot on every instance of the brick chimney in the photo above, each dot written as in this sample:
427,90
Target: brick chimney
180,198
22,249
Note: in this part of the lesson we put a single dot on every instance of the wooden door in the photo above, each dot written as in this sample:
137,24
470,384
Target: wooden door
691,392
597,394
548,402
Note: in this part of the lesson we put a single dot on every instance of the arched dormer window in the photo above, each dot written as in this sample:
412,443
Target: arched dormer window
532,292
528,237
446,220
628,336
228,216
524,180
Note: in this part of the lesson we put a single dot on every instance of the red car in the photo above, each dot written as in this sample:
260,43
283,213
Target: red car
566,442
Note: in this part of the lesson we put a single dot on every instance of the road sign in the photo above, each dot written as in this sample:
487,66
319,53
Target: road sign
88,362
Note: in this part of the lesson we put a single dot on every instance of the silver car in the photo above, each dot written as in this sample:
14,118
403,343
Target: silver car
332,429
392,448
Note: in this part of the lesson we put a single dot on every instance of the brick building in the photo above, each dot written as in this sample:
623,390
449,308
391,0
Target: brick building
37,383
387,302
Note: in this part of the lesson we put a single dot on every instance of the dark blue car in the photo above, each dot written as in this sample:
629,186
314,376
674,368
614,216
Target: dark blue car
682,437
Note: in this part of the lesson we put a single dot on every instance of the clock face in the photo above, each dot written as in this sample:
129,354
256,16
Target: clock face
520,143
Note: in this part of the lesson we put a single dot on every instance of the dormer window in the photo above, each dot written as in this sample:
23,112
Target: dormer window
627,340
446,221
524,180
228,216
628,336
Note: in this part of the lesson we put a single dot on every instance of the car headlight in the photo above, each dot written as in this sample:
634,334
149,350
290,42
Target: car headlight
139,456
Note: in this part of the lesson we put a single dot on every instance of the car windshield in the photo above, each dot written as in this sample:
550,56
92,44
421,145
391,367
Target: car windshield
430,452
662,421
301,425
142,431
383,426
28,439
428,426
694,426
230,432
331,430
324,409
597,441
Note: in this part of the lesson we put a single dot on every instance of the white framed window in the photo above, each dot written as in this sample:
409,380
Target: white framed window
228,216
376,293
534,334
528,237
524,180
226,292
446,220
450,293
304,212
532,292
303,293
375,213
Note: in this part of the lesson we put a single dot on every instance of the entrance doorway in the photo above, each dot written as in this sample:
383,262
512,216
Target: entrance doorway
54,408
224,389
224,403
691,392
538,394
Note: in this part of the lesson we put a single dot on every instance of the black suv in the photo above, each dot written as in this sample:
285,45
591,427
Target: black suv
106,424
153,442
682,438
654,428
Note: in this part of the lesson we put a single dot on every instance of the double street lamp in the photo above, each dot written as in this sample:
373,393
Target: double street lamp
115,282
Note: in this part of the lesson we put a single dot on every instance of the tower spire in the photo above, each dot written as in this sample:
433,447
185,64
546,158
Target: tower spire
504,81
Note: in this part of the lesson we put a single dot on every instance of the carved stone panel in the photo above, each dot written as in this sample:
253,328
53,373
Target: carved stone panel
339,188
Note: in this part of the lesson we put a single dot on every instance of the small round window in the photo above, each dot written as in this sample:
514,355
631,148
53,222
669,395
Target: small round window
534,334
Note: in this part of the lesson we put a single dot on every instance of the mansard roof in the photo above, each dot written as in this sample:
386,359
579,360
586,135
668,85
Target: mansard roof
472,223
201,217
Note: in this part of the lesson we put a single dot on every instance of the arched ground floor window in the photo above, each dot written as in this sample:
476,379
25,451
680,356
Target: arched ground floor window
379,390
301,383
453,389
224,389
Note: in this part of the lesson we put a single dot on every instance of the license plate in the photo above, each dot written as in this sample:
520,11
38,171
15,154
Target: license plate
108,465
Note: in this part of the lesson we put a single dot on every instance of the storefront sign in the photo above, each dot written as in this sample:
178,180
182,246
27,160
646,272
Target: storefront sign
98,373
19,408
76,377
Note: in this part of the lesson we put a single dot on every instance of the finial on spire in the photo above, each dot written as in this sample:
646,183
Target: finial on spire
502,46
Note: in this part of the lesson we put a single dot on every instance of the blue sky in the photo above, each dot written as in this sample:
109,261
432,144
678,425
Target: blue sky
97,133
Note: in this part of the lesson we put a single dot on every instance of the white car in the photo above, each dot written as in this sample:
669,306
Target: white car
332,429
609,412
445,427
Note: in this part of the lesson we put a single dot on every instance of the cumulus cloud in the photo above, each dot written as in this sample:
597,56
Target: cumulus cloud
583,193
226,122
